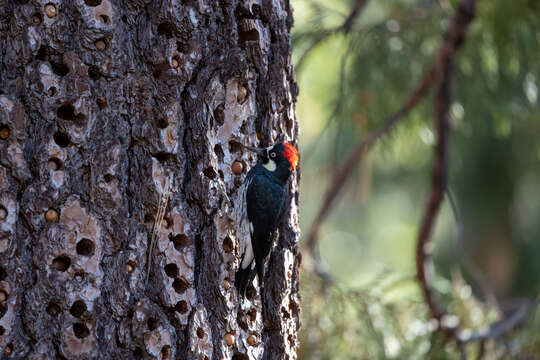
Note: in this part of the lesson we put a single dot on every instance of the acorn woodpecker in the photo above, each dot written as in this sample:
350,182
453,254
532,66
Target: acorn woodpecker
260,205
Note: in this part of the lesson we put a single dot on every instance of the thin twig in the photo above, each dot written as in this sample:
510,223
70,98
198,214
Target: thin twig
343,173
424,262
344,28
162,207
453,38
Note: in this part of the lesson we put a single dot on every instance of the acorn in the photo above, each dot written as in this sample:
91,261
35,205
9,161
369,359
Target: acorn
166,352
242,93
51,216
237,167
54,164
252,340
4,132
100,44
50,10
175,63
3,296
226,285
36,20
229,339
130,266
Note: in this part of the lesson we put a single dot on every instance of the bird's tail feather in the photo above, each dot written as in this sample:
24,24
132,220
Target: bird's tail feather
241,280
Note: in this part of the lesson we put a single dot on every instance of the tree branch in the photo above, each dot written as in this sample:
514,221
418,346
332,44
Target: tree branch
344,28
343,173
424,262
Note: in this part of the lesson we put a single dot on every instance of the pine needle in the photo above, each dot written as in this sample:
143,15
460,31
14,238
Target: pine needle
163,200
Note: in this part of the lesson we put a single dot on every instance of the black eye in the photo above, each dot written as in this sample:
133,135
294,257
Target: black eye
272,154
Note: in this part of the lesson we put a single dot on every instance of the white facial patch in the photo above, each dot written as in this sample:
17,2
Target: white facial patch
270,165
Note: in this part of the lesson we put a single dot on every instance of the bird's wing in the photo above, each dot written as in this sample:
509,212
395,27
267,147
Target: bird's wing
264,205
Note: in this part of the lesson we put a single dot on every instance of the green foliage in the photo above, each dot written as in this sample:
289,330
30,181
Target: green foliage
349,84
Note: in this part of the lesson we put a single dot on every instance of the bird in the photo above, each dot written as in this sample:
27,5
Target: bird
261,203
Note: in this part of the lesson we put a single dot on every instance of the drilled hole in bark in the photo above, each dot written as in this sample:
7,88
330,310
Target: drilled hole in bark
153,324
3,310
157,73
55,164
42,53
80,330
37,18
138,353
4,132
252,314
180,241
182,47
2,330
79,276
108,178
180,285
104,18
249,35
148,218
53,309
221,175
3,274
66,112
250,292
166,352
86,247
61,139
293,307
218,150
59,68
235,146
166,29
78,308
162,123
61,263
285,314
101,102
227,244
219,115
3,213
93,72
210,173
255,9
200,333
162,157
181,307
92,2
244,129
240,356
171,270
289,125
52,91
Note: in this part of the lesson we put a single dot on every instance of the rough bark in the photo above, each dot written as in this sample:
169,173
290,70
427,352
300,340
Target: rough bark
106,106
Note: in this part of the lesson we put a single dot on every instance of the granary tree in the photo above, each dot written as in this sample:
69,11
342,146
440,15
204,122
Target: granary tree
122,125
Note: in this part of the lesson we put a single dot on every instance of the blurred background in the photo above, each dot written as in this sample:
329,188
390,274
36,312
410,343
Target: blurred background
487,253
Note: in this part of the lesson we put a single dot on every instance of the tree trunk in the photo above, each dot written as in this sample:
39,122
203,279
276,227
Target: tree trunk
108,107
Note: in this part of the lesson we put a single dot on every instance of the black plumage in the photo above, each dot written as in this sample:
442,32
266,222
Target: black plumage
264,197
